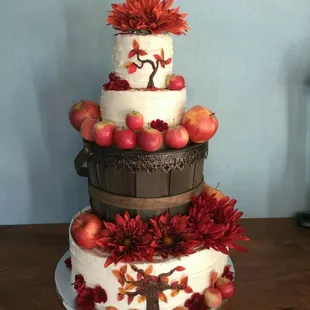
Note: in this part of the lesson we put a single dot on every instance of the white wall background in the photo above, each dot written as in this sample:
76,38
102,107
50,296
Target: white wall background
246,60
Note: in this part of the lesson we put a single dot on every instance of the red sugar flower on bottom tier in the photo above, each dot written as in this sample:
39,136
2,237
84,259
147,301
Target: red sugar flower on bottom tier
85,299
196,302
68,263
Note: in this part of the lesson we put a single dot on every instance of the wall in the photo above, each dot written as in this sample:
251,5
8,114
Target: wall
245,61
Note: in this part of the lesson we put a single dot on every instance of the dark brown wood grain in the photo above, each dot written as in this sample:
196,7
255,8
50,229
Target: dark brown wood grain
274,275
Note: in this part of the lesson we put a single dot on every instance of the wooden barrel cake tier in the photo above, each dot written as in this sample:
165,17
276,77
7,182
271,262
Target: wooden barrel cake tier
140,182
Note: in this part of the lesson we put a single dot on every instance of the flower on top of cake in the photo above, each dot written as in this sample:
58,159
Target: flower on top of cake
148,17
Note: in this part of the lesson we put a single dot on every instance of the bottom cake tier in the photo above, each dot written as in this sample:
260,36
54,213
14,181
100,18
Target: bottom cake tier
162,284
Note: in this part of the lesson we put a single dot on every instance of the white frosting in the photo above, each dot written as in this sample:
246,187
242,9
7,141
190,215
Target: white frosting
151,44
198,266
166,105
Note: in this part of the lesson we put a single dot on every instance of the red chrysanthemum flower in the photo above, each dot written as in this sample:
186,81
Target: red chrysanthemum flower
159,125
215,223
116,83
171,237
127,240
196,302
147,16
79,282
85,299
227,273
68,263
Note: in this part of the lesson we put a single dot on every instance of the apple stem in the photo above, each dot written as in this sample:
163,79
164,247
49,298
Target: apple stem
218,184
212,114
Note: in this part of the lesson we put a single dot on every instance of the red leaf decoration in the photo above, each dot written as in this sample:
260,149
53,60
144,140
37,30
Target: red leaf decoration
188,289
142,53
179,268
132,69
184,282
132,53
168,61
136,45
157,57
130,299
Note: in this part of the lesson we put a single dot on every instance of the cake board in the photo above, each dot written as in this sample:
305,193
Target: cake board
64,289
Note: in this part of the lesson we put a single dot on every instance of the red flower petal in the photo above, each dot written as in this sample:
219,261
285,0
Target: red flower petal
130,299
136,45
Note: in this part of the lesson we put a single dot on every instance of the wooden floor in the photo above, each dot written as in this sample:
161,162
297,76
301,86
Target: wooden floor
274,275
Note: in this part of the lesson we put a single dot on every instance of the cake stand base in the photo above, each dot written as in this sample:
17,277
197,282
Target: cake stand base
65,290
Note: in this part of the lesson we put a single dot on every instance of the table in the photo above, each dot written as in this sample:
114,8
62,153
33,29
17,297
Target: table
274,275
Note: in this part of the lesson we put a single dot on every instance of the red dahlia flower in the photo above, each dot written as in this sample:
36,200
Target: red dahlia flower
171,237
150,16
116,83
127,240
85,299
227,273
215,223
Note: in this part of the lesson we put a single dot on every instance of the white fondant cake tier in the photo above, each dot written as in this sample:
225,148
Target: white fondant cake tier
165,105
197,267
149,45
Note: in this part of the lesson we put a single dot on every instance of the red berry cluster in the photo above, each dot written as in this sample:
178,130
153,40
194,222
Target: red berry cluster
116,83
87,297
159,125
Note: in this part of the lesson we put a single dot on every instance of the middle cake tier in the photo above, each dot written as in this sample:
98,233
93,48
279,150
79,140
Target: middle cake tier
166,105
145,184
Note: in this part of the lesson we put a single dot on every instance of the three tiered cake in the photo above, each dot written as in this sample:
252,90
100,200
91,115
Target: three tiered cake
155,235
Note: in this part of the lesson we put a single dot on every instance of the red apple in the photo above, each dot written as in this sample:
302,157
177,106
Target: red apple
87,129
210,191
176,137
226,287
84,229
200,123
134,120
125,139
213,297
82,110
175,82
103,133
149,139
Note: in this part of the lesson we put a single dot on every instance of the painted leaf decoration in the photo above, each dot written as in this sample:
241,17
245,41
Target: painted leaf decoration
139,275
135,45
123,269
130,299
116,273
121,291
149,270
163,297
168,61
174,293
120,280
163,64
130,286
184,281
174,285
188,289
132,69
120,297
164,279
157,57
162,54
131,53
141,299
179,268
142,53
128,64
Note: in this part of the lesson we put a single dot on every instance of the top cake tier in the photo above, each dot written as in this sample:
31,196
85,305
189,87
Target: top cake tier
145,61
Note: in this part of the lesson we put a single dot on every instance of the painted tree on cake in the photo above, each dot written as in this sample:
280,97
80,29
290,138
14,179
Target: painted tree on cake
149,288
159,60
